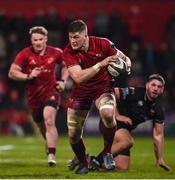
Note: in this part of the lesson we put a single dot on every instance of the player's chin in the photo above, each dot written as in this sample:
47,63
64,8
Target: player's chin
74,47
154,96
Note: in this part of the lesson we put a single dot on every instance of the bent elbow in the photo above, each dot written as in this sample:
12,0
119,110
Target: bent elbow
10,75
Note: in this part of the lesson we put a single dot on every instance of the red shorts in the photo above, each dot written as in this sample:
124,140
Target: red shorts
83,104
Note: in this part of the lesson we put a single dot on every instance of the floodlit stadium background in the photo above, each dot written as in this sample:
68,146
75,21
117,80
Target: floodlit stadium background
144,30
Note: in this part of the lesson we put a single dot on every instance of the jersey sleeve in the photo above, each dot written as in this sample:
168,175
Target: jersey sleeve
69,58
160,114
20,59
59,54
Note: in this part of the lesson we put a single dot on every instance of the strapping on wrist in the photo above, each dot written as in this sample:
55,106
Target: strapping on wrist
97,67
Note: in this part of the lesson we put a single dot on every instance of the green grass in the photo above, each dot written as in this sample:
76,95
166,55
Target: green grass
27,159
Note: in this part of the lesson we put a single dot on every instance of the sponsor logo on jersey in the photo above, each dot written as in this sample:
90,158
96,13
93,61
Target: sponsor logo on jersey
98,55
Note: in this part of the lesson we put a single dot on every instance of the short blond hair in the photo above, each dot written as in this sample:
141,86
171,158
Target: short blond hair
38,29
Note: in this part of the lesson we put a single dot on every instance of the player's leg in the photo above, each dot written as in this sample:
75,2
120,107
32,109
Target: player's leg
122,140
49,114
75,122
42,128
106,106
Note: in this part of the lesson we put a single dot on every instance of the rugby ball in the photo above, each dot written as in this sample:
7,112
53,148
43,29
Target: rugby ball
118,67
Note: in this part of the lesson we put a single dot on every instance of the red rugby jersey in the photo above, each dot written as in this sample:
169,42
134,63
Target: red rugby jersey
99,49
38,88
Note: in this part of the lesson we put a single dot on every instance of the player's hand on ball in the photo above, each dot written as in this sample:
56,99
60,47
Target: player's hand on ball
107,60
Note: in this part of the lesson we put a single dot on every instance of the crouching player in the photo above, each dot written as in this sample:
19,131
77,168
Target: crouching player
134,106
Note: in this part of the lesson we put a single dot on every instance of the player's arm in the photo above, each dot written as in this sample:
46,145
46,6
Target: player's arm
80,75
60,84
16,73
118,116
158,136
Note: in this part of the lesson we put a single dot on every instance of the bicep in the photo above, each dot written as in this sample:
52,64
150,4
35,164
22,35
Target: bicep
15,67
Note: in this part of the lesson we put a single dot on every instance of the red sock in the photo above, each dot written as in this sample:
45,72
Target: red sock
51,150
108,136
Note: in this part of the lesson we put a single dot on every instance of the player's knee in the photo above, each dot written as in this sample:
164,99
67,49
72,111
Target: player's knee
129,142
49,122
107,114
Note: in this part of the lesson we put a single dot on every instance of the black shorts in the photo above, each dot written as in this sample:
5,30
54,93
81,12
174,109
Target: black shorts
125,152
37,113
122,125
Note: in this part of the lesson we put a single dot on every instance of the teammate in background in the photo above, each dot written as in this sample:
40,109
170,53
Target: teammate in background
36,66
134,106
87,58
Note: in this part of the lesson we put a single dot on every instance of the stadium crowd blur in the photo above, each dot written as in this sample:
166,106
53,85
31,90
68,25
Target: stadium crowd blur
125,33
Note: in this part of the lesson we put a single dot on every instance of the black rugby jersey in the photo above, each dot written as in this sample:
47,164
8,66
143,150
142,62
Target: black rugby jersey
134,104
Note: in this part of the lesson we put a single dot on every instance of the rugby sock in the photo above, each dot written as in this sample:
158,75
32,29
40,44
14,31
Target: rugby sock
108,136
51,150
80,152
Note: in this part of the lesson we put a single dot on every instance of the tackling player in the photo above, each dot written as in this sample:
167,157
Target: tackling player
36,66
134,106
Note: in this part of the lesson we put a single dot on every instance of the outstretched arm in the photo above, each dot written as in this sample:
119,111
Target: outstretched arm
158,135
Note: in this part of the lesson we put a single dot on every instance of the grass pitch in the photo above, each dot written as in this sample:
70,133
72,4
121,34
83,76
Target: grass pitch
24,158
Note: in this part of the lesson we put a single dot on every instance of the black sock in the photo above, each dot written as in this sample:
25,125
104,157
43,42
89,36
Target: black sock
80,151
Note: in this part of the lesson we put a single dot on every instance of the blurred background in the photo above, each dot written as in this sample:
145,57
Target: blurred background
143,29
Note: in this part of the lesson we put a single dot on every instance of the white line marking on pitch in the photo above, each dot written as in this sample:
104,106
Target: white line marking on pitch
6,147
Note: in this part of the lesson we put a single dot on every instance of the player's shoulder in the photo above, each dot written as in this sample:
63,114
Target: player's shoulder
99,39
68,50
25,51
54,49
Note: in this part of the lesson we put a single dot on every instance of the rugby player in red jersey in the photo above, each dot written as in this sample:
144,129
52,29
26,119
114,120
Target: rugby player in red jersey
86,58
36,66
